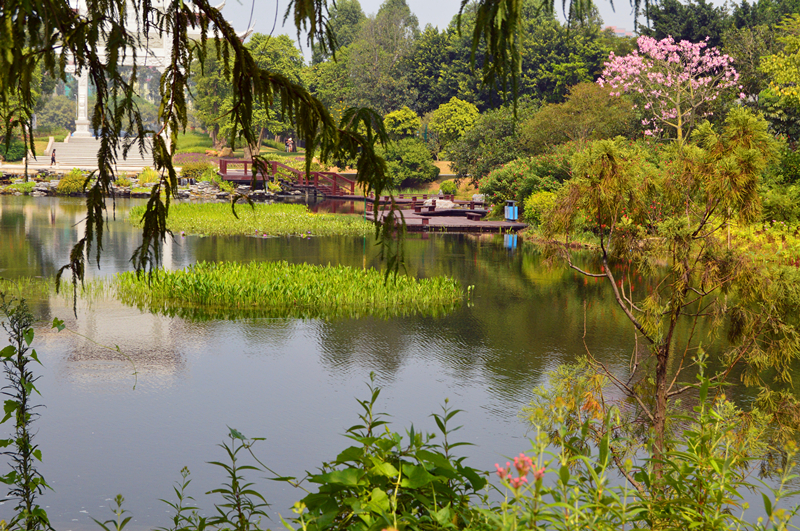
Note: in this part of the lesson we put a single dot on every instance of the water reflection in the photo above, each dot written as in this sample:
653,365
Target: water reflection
292,381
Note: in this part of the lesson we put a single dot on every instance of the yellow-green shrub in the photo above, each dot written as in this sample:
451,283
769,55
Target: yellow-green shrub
73,182
194,170
148,175
537,205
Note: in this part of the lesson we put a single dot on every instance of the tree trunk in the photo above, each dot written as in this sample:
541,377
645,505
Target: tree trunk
660,414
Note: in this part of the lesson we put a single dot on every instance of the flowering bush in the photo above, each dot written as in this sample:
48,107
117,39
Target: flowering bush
522,177
675,82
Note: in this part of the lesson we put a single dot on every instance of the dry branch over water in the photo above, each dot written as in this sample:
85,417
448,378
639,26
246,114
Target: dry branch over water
279,289
258,220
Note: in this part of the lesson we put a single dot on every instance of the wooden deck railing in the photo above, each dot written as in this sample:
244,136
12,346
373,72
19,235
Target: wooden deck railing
336,182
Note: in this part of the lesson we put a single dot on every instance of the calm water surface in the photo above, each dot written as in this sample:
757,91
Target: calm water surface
291,381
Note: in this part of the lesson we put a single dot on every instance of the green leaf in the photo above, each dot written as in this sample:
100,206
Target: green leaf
385,469
8,352
58,324
348,477
767,504
564,475
434,458
443,515
476,480
29,336
353,453
415,477
236,434
379,501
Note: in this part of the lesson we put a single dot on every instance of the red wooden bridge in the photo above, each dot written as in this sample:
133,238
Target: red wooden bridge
323,182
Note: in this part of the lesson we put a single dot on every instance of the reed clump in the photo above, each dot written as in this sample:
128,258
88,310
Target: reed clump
216,219
232,290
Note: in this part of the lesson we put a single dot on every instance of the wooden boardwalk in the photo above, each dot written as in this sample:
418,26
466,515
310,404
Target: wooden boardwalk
441,221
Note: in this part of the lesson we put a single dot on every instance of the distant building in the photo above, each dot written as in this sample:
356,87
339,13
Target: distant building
619,32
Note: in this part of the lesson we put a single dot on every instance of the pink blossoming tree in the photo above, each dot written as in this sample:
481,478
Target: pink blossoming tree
674,81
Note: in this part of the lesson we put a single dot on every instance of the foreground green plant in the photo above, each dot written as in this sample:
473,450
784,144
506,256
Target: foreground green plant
258,220
385,480
698,483
280,289
25,481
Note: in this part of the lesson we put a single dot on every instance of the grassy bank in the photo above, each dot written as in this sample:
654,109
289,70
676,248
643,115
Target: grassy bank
279,289
271,220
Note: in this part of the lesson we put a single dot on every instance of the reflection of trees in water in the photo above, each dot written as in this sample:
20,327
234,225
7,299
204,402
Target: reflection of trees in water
526,317
21,253
37,234
155,345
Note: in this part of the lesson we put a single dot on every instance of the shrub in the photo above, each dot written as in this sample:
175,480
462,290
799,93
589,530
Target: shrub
194,170
522,177
781,203
448,188
25,188
274,144
72,183
124,182
402,123
590,112
13,152
410,161
518,179
148,175
490,143
209,175
537,205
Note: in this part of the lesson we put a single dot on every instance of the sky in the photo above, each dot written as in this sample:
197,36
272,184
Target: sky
438,13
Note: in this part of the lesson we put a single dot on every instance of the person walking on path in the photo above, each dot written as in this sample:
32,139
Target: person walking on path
288,145
53,158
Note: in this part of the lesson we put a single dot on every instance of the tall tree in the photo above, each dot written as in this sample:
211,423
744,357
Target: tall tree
762,12
674,82
642,214
345,22
694,21
425,65
212,87
377,55
279,55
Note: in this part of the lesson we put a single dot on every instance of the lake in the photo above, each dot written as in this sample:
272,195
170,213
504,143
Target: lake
293,382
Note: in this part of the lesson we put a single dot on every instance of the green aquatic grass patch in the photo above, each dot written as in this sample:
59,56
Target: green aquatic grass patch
232,290
273,220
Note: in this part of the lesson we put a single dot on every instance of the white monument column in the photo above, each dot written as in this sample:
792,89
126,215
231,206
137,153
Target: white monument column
82,123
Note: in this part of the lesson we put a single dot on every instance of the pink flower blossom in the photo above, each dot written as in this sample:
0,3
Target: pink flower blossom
538,474
523,464
674,79
503,473
516,483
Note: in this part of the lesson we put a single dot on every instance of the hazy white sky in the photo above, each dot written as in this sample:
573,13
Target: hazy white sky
435,12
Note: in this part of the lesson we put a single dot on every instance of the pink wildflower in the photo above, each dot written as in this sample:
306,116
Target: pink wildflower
523,464
503,473
538,474
517,482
